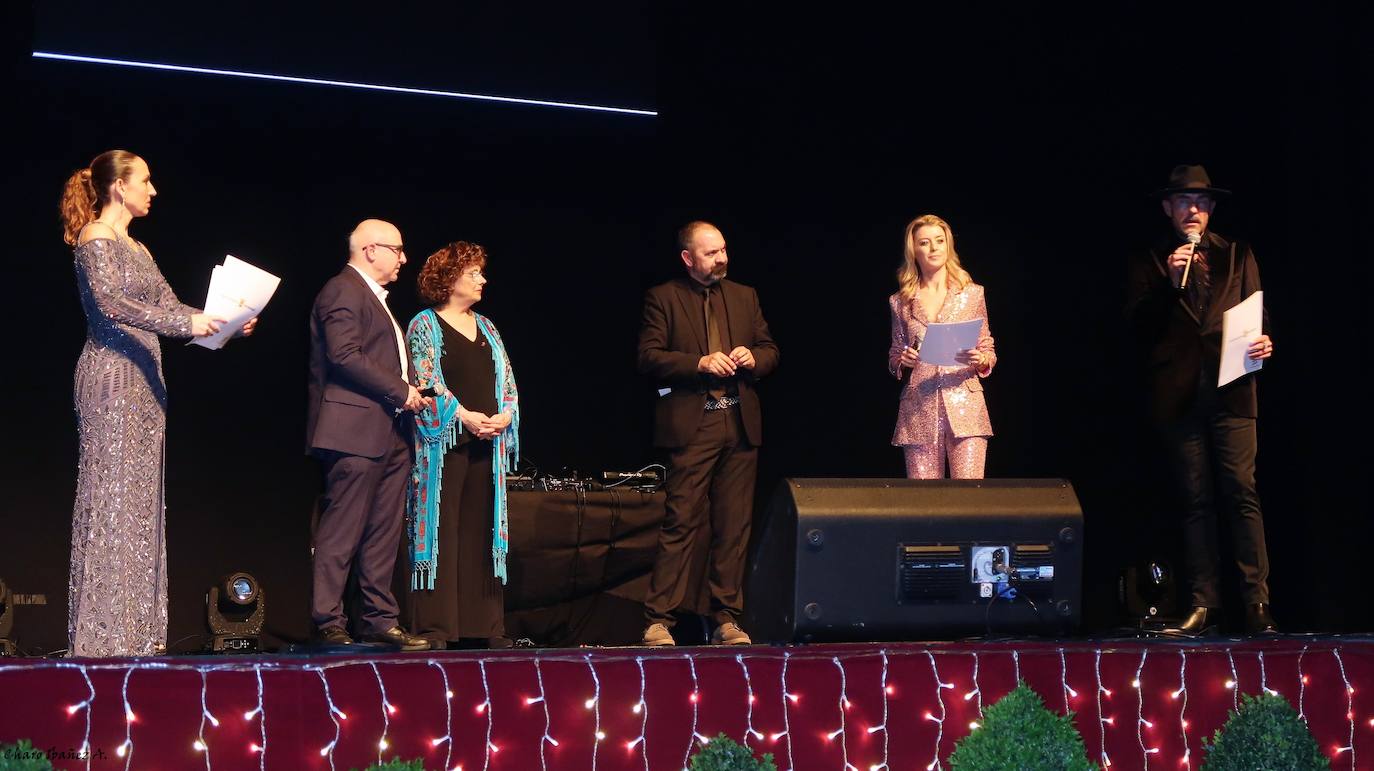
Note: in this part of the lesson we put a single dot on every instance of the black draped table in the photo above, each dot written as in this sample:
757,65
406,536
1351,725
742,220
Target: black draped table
579,565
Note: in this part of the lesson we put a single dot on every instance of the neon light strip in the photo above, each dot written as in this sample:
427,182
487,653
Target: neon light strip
340,83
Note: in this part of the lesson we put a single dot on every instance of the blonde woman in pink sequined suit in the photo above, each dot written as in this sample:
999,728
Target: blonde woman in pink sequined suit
942,415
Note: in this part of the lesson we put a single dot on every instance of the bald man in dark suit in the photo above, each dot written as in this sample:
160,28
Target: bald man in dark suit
358,426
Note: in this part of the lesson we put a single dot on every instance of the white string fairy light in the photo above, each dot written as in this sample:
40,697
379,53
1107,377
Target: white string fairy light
1102,722
199,743
940,721
335,715
126,750
261,749
1349,708
83,705
447,738
1264,678
843,705
387,711
1016,663
485,707
786,731
641,708
1064,680
749,730
594,704
977,690
1302,686
695,698
548,720
1234,683
1145,752
883,726
1183,708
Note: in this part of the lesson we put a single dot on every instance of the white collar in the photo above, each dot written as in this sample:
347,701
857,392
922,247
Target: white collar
371,283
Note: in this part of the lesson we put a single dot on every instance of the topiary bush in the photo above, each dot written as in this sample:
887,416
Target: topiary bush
1265,734
23,756
725,754
1019,733
396,764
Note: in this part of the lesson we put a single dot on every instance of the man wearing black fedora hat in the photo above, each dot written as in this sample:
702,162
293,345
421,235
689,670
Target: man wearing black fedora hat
1178,291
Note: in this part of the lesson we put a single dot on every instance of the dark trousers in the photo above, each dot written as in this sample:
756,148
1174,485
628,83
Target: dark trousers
467,599
362,516
709,510
1212,457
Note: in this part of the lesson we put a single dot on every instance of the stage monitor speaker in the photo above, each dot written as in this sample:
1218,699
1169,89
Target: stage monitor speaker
901,559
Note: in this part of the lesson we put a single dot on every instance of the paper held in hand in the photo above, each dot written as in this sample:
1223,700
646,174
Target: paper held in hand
1239,328
943,342
238,292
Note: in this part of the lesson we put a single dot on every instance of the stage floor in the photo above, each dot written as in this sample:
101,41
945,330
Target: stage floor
1137,703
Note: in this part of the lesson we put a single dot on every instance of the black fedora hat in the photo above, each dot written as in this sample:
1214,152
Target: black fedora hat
1189,179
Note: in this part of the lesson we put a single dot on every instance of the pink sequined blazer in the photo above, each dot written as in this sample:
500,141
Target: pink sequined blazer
959,388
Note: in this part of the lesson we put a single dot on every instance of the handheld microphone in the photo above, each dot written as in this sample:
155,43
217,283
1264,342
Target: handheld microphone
1194,239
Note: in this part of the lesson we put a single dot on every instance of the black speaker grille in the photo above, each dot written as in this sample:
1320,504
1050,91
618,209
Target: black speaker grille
930,572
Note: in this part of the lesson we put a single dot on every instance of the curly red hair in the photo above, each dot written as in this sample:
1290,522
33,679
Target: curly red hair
442,269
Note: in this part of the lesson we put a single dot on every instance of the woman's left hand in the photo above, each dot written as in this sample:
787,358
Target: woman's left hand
973,357
1262,348
497,423
248,328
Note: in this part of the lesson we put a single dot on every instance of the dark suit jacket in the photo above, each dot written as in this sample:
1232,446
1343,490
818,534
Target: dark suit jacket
1177,347
355,370
673,339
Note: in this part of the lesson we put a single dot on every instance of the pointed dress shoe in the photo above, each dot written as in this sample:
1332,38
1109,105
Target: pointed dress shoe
399,638
1258,621
1200,623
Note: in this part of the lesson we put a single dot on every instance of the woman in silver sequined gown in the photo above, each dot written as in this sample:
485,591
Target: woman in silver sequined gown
118,592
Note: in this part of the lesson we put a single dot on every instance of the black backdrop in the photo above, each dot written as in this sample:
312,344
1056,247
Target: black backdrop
809,138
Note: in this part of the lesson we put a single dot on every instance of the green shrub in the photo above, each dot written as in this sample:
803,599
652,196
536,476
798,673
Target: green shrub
1019,733
1265,733
396,764
725,754
23,757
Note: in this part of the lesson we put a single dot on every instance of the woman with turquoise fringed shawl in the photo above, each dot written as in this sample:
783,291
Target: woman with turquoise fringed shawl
464,448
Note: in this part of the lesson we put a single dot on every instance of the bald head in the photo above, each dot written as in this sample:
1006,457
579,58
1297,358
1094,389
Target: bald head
375,247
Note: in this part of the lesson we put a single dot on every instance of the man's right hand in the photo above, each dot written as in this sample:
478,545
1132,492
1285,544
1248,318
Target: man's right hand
717,364
415,402
1181,257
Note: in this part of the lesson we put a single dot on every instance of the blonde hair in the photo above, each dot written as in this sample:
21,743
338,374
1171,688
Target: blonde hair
88,190
909,274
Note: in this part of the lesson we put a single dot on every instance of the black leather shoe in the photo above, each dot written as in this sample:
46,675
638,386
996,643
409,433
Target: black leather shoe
1201,622
1258,620
332,636
399,638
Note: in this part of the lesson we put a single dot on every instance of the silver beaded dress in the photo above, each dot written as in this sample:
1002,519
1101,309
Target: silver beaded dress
117,599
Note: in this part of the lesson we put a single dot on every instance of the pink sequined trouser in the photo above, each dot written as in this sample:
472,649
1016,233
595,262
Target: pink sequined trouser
966,455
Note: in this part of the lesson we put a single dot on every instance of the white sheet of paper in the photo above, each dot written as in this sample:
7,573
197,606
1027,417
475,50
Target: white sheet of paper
238,292
1239,327
943,342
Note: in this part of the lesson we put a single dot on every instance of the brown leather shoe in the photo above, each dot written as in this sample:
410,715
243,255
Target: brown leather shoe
332,637
399,638
1258,621
1201,622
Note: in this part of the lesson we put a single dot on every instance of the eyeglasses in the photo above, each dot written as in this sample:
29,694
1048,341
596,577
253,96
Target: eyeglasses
399,249
475,274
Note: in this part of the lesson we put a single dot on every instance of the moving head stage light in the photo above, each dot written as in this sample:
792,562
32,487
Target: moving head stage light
235,609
